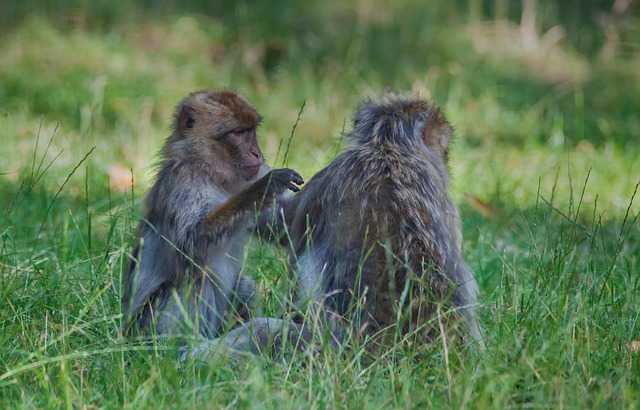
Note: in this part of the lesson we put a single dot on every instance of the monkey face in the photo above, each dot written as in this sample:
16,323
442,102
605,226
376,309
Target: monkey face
247,155
223,124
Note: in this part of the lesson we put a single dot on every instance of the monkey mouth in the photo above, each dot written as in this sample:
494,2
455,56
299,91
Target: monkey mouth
250,171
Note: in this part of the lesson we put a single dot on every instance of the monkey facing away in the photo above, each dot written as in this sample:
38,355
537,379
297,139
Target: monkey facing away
184,274
376,239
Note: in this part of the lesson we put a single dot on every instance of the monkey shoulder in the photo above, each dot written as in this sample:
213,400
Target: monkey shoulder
178,201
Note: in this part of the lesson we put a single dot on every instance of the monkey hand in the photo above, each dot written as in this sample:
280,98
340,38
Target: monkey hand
279,180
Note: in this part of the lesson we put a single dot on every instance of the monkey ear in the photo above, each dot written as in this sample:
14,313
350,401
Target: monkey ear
437,133
185,119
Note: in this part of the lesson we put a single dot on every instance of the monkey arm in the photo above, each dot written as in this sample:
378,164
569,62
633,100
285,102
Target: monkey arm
466,295
150,269
226,218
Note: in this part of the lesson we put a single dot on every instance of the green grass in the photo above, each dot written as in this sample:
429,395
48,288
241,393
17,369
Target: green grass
545,169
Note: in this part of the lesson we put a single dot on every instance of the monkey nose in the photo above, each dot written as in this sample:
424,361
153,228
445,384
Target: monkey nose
258,157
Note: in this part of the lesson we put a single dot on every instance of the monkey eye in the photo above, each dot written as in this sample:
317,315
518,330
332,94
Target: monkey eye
237,131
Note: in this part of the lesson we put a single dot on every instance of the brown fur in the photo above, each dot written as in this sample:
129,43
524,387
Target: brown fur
212,180
376,239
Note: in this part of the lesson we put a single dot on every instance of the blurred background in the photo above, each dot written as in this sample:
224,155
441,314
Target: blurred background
523,82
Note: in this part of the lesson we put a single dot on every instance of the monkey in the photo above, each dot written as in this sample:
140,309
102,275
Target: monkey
376,240
376,237
212,180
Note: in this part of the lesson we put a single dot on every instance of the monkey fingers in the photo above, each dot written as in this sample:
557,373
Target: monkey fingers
285,178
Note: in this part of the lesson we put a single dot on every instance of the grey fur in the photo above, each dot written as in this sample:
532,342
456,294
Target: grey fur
184,276
376,239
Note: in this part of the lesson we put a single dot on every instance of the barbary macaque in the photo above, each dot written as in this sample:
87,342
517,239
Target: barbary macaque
376,240
184,274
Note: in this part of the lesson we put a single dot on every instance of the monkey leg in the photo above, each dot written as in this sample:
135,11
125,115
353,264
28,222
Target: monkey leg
268,336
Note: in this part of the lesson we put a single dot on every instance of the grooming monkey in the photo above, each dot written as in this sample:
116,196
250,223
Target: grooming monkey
376,239
212,181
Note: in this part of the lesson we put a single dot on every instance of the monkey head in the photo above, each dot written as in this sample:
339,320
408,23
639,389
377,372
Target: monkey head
406,122
221,125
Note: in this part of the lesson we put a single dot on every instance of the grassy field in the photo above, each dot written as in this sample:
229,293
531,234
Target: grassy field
545,170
